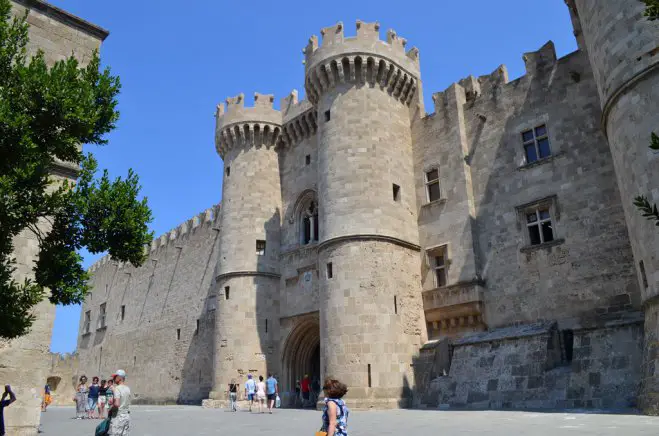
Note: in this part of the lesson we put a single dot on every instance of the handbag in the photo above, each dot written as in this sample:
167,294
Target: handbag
103,428
321,433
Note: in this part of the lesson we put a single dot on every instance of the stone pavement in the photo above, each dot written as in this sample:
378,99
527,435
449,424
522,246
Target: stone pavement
191,420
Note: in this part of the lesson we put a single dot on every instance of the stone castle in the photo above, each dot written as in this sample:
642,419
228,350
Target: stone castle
487,254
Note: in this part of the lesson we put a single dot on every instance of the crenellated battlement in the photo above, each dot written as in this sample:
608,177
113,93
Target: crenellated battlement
209,217
237,124
364,58
537,63
300,119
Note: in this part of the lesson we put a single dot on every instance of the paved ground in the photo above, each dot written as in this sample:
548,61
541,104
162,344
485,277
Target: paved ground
179,420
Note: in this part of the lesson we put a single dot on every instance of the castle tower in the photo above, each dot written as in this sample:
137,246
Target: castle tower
247,279
623,48
366,92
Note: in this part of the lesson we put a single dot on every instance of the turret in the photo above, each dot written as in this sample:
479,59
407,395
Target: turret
623,49
366,92
247,276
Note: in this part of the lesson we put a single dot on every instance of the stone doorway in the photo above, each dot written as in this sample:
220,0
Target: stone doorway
301,357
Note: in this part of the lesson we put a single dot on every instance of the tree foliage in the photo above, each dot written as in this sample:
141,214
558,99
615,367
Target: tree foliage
46,114
652,9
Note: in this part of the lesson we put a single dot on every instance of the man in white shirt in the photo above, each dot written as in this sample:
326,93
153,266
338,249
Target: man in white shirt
250,390
120,408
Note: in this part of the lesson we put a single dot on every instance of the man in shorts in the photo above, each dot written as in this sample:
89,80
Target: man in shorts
250,390
272,390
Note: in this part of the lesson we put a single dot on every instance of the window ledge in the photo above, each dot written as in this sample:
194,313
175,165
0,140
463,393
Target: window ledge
86,334
101,328
530,248
540,161
432,203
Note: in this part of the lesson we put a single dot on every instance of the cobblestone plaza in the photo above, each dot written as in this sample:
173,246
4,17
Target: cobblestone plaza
190,420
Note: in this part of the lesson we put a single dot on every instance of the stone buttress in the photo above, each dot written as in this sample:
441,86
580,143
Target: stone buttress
365,92
247,279
623,48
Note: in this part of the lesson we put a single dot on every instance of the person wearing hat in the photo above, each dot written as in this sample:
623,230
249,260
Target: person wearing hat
120,407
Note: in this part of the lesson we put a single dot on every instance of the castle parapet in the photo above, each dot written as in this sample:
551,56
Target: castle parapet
364,58
300,119
237,124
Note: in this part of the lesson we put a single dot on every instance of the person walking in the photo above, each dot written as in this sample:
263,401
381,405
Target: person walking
102,399
250,390
81,398
233,394
92,398
297,393
120,408
306,390
272,391
260,393
47,398
5,403
335,412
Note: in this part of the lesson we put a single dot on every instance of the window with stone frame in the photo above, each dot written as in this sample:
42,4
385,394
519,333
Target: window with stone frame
538,221
433,193
88,322
309,223
438,260
101,315
260,247
536,144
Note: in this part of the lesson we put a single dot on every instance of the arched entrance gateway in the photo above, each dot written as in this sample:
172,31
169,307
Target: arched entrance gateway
301,357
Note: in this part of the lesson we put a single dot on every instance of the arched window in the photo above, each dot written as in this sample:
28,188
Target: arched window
309,223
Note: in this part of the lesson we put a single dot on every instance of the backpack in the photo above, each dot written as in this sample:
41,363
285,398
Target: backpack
103,428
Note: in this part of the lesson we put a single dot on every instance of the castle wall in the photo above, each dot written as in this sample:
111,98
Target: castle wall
25,360
62,378
522,368
624,53
171,292
586,273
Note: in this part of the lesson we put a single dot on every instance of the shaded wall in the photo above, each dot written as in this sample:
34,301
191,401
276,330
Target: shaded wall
163,341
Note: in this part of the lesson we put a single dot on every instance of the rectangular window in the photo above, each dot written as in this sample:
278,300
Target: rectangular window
438,261
266,325
88,321
395,305
228,170
370,380
260,247
196,330
226,292
396,192
327,115
123,312
538,222
330,273
432,185
101,316
644,278
178,334
536,144
307,159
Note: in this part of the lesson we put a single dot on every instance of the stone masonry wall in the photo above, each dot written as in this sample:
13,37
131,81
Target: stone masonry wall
587,272
25,361
168,305
63,378
530,372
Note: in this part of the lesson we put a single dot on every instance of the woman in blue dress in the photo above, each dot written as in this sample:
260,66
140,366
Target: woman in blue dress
335,412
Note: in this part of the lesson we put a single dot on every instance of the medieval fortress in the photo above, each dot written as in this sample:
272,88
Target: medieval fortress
486,254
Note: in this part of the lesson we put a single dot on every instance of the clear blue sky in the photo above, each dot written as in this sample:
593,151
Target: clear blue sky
178,60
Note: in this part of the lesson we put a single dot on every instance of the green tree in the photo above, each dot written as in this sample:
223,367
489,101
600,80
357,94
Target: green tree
647,209
46,113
